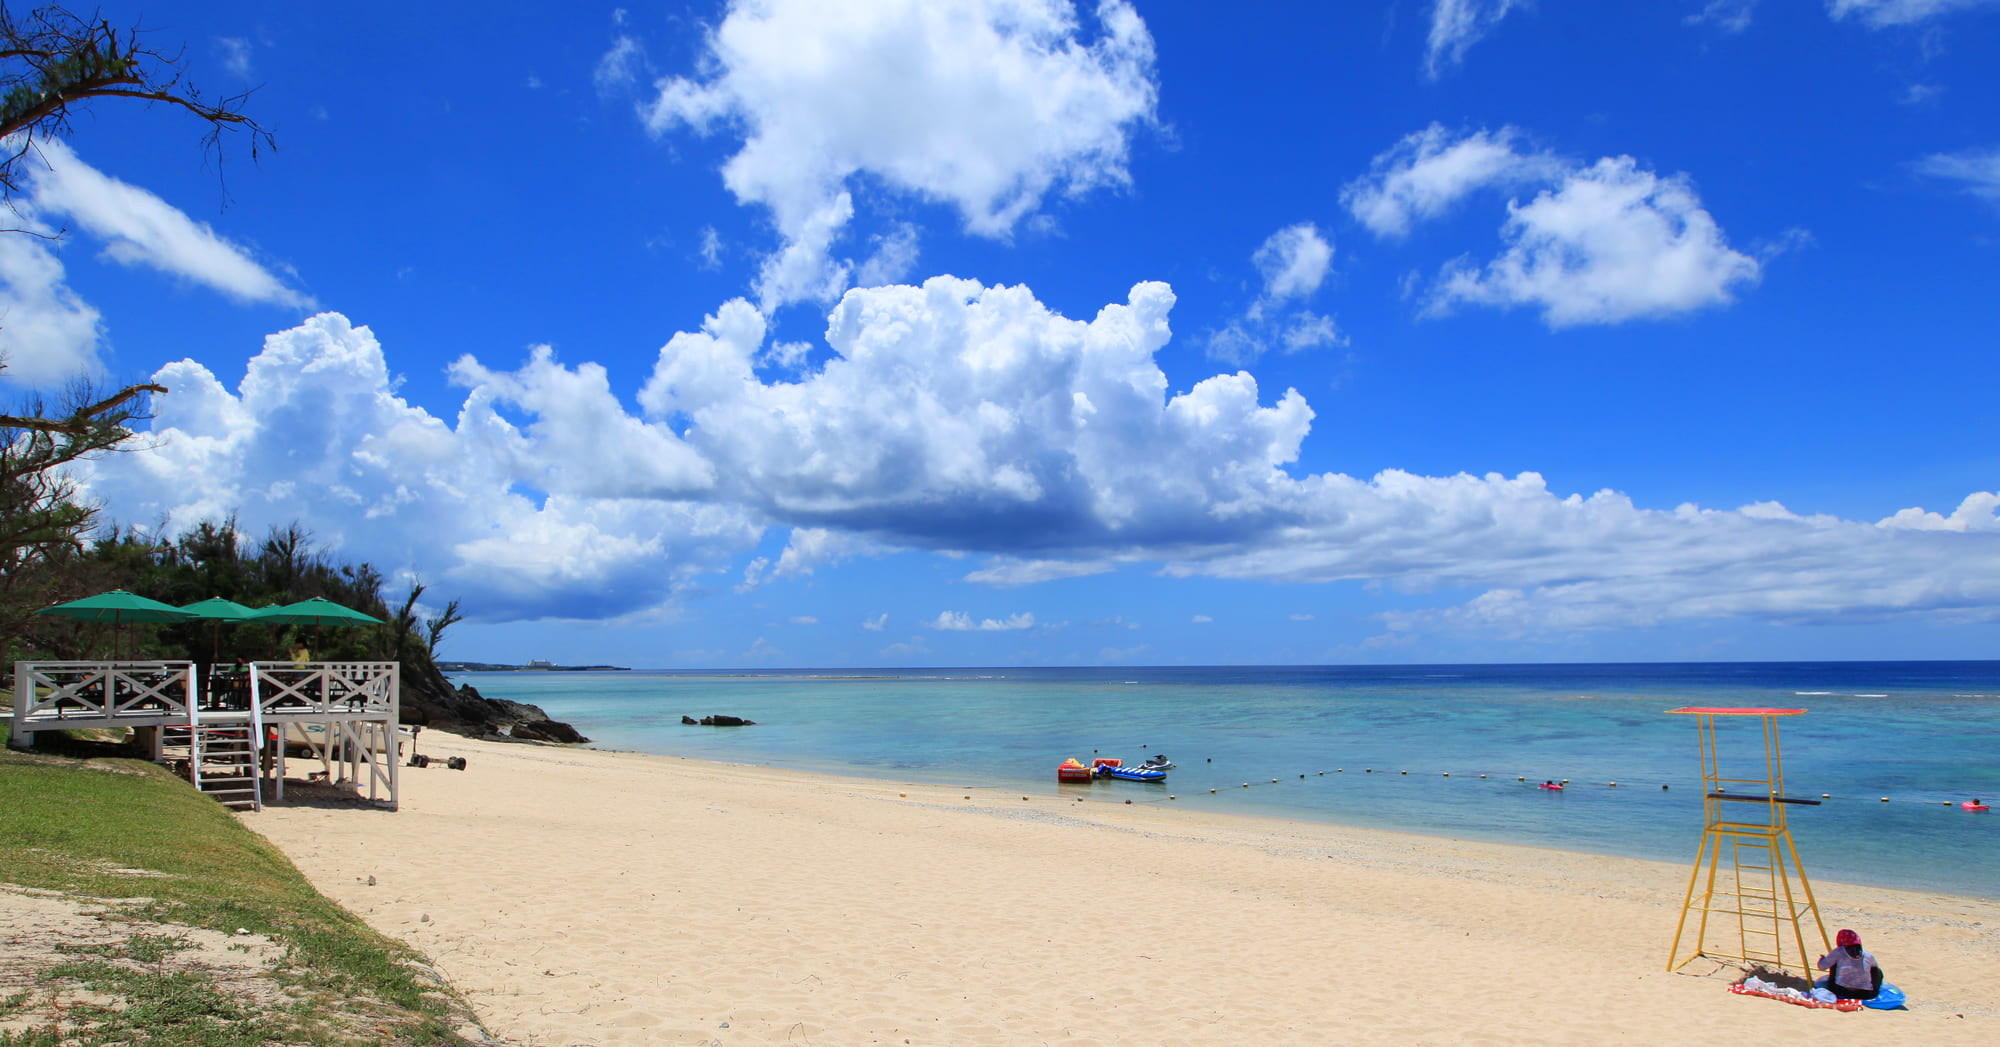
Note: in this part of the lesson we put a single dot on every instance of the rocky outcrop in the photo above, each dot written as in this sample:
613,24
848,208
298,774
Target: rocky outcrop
430,700
546,730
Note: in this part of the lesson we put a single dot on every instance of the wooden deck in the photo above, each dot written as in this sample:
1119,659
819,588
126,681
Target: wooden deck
344,714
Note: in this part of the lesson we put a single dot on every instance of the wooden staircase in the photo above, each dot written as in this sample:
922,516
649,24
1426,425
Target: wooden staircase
221,760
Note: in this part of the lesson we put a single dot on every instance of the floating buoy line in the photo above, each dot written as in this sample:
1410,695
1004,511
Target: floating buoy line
1564,784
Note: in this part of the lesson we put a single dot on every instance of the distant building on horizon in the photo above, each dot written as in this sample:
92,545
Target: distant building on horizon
541,663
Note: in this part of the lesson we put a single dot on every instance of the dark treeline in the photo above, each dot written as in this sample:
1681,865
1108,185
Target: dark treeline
216,559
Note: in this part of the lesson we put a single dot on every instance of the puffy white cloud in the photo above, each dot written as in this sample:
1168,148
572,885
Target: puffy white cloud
1880,13
315,433
811,548
958,417
877,623
959,621
1294,261
1458,24
1611,243
1600,244
139,228
577,419
1976,170
961,416
1975,514
1009,573
984,105
1423,175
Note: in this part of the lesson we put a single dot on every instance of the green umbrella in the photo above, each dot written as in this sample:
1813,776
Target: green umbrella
119,608
315,612
218,610
215,608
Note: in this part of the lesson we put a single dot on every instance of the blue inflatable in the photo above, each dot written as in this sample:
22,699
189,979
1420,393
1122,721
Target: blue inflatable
1889,999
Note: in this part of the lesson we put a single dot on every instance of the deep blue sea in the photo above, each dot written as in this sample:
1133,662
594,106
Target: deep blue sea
1926,735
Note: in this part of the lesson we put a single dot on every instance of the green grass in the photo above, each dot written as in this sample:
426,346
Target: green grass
71,825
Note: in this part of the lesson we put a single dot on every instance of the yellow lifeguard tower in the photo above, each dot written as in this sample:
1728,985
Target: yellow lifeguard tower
1747,817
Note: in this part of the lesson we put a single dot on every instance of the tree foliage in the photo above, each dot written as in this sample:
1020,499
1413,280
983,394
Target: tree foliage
43,524
52,61
216,559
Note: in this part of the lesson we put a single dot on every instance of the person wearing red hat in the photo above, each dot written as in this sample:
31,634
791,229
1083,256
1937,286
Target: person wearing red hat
1855,975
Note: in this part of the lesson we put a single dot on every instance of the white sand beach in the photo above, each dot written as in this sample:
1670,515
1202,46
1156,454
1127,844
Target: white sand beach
585,897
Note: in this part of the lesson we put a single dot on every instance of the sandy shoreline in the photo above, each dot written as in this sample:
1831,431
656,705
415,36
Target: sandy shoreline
585,897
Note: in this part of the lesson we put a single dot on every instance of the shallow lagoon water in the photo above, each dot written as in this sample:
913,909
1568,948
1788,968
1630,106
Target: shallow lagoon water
1924,734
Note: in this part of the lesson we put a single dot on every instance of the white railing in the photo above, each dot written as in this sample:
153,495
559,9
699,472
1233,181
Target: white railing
58,695
354,705
337,689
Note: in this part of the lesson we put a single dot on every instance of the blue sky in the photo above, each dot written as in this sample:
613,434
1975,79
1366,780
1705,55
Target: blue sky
1019,331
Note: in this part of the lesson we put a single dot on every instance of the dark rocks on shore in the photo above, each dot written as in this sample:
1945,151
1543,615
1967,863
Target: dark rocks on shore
429,700
546,731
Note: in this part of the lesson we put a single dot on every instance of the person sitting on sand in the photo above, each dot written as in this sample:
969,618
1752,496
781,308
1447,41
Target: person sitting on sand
1855,975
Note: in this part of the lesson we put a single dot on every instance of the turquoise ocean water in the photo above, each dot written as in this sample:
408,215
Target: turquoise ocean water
1924,734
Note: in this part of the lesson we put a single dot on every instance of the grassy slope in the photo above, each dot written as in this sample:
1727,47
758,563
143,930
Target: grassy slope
66,824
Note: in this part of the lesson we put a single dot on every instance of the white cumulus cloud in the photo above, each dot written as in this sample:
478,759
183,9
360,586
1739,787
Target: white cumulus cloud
983,105
315,433
1293,262
1611,243
961,418
1598,244
959,622
1423,175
